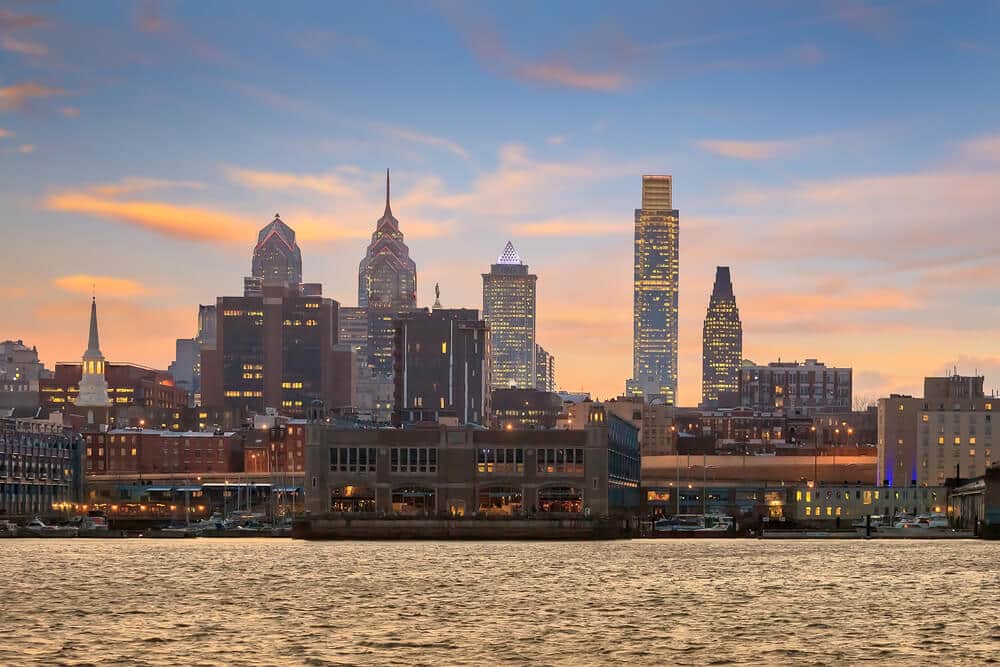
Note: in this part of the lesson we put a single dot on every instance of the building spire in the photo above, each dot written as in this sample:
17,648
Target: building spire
93,344
388,210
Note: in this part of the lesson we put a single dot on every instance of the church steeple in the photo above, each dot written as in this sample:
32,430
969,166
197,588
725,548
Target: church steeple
93,385
93,344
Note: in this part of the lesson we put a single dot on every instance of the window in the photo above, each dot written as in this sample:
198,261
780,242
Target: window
444,347
958,440
925,417
972,440
351,459
941,440
413,459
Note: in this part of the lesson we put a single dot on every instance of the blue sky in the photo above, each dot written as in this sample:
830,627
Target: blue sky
841,157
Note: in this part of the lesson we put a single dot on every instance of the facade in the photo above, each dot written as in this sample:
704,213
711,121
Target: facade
20,372
947,434
722,345
277,350
509,310
545,370
387,276
655,289
853,502
442,366
128,385
453,471
277,258
40,466
795,388
656,421
154,453
520,409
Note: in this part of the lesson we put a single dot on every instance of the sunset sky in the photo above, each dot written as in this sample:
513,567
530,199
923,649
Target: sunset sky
843,158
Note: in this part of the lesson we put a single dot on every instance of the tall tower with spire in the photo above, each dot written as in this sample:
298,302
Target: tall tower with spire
387,276
722,345
387,285
93,385
509,310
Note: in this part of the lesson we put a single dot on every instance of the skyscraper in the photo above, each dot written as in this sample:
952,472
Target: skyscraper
654,314
387,285
276,257
722,345
93,385
509,309
387,276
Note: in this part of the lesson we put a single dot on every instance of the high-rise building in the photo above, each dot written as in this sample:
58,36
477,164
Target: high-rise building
442,366
387,276
654,314
545,370
276,346
794,388
722,345
946,434
186,367
93,386
276,257
387,285
509,310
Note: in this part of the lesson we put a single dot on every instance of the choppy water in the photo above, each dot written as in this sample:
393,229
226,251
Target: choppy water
279,602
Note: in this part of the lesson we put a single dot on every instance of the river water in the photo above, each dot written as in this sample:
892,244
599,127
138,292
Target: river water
284,602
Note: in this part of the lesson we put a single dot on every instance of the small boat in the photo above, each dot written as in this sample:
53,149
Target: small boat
38,528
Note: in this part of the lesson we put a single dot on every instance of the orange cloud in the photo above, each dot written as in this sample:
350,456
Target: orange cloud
133,185
19,96
176,221
26,149
106,286
11,21
5,133
70,112
982,148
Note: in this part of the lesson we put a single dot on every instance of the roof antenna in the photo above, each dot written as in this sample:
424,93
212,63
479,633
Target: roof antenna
388,210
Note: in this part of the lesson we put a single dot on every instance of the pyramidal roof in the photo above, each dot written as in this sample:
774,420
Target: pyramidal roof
509,255
93,342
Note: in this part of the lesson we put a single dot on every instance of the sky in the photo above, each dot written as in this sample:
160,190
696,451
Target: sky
843,158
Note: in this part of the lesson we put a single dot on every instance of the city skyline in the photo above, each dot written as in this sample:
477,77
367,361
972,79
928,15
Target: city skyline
763,191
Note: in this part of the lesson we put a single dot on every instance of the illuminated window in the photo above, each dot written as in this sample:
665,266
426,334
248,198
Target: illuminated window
958,440
133,451
900,407
808,496
972,452
989,406
972,440
442,402
838,511
798,495
829,511
444,347
808,511
941,440
925,417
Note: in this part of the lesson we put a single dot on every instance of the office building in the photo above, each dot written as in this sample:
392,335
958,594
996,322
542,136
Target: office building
545,370
442,366
448,471
276,346
509,310
20,372
186,367
655,289
795,388
947,434
722,345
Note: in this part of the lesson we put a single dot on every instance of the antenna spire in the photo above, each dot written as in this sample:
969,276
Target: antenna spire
388,209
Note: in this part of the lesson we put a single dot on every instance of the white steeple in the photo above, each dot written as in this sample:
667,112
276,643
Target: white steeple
93,385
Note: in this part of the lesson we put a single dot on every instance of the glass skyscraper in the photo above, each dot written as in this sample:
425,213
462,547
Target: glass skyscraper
722,345
654,315
509,309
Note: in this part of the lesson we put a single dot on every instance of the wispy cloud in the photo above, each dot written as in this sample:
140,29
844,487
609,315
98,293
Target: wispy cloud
19,96
750,150
70,112
412,136
986,148
11,21
330,183
26,149
319,42
82,283
23,46
5,133
134,185
148,19
571,227
570,76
